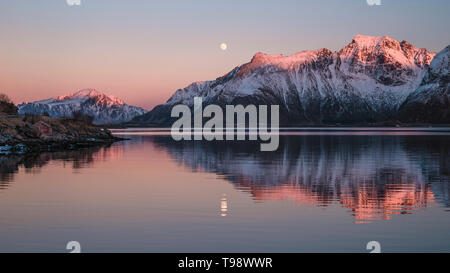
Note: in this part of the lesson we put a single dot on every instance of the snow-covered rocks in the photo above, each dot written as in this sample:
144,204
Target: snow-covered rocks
431,101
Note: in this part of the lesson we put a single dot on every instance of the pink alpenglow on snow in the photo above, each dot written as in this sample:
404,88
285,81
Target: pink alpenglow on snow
103,108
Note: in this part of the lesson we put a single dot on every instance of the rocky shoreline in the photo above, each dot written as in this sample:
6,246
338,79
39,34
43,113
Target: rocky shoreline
28,134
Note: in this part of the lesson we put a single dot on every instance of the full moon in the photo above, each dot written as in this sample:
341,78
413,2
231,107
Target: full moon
223,46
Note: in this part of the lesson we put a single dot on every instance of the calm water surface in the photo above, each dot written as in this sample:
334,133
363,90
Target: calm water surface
321,191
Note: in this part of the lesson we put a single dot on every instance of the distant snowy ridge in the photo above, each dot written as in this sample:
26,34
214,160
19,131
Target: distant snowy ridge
105,109
366,81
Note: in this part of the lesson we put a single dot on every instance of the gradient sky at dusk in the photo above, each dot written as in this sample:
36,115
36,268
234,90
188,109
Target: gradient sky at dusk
142,51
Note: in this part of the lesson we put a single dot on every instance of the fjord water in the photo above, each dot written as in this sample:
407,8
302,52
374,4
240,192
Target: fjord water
321,191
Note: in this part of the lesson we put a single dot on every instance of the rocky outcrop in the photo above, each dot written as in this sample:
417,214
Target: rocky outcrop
40,133
44,129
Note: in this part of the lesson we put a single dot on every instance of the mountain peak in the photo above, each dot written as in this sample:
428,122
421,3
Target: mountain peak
385,51
365,42
91,93
369,38
88,92
263,58
281,61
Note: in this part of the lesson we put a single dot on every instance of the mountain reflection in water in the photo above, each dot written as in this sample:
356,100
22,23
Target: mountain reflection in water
33,163
373,176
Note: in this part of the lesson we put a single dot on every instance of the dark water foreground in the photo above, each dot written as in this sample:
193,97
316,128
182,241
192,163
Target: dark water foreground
319,192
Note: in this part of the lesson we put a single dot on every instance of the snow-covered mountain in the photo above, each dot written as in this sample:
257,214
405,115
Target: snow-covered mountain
431,101
366,81
105,109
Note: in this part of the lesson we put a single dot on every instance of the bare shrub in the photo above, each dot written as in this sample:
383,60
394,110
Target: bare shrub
7,106
5,98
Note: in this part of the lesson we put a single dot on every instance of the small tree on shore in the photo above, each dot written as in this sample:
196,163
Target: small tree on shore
5,98
7,106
